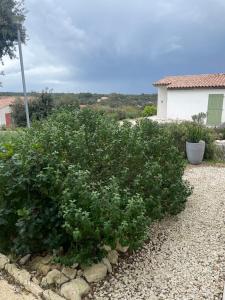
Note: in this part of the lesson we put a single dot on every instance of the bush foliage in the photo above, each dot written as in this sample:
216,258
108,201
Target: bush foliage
149,110
192,132
79,180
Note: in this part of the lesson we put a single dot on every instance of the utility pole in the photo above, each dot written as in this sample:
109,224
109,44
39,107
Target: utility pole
18,22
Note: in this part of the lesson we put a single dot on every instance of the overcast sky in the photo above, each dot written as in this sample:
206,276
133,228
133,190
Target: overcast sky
117,45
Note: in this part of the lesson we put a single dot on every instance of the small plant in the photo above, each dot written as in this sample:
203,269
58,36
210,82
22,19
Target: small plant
195,133
199,118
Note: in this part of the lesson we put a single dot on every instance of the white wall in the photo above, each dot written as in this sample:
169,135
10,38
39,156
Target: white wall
183,104
3,111
162,103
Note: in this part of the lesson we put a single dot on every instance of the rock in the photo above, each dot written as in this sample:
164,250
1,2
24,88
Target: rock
69,272
113,257
55,266
39,260
46,259
75,289
95,273
50,295
44,269
38,265
10,257
35,280
24,278
70,293
107,263
107,248
82,286
80,273
121,248
3,261
21,276
54,277
34,289
24,259
36,262
75,265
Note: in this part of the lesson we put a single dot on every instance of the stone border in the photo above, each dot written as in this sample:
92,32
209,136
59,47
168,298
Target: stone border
68,282
23,277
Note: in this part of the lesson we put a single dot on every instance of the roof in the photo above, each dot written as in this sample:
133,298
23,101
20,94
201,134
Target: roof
6,101
193,81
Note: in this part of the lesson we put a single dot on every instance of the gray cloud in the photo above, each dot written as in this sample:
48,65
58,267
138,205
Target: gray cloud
114,45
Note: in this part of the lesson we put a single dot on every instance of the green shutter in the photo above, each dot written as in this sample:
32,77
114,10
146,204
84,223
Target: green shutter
215,109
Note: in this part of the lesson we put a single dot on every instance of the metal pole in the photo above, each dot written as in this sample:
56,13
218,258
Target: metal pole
23,77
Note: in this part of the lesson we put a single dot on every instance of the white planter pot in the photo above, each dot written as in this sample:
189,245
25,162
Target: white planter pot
195,152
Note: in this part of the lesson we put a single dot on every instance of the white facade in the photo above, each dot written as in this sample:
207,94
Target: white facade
182,104
3,111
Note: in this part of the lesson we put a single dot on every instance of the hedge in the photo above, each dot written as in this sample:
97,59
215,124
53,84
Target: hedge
78,180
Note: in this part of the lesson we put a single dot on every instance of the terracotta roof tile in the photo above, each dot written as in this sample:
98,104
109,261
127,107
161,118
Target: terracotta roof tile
193,81
6,101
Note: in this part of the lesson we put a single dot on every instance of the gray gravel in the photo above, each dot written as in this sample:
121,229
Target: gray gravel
185,258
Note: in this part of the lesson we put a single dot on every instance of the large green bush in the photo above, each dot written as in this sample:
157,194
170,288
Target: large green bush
80,180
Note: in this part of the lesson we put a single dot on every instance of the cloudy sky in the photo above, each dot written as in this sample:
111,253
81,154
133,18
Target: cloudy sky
117,45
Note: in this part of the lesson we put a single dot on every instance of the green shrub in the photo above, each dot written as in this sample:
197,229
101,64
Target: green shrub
7,135
149,110
80,180
192,132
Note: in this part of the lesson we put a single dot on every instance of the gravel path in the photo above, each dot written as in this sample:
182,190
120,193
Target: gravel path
12,292
185,258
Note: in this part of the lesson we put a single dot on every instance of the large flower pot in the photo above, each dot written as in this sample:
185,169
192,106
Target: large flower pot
195,152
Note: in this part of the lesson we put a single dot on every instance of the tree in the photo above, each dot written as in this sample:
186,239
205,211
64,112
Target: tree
9,9
40,106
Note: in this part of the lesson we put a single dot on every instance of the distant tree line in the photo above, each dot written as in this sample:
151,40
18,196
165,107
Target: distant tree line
117,106
114,100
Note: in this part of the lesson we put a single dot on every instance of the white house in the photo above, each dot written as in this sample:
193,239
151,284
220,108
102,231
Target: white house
5,111
181,97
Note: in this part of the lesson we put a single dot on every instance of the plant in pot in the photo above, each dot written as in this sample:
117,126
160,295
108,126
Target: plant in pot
195,146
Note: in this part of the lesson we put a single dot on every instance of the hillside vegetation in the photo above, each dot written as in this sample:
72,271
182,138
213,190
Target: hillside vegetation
117,106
